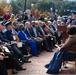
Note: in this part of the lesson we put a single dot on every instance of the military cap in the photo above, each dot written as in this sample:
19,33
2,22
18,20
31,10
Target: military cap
8,23
2,23
74,12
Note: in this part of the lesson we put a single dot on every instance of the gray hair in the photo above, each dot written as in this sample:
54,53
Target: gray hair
27,23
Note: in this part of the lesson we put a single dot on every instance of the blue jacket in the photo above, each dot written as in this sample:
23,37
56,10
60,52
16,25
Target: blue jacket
22,36
31,43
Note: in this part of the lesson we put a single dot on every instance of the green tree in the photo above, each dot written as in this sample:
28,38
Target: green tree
44,6
20,4
15,8
65,5
3,3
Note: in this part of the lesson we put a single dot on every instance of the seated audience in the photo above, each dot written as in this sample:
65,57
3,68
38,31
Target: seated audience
40,33
30,32
49,34
31,43
13,48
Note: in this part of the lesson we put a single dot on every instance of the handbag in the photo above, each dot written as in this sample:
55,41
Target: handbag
55,63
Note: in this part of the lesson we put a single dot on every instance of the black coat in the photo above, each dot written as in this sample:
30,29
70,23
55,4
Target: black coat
39,31
2,37
30,32
9,35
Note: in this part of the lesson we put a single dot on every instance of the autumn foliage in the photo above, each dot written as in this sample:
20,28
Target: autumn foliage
2,12
33,11
4,7
37,13
8,8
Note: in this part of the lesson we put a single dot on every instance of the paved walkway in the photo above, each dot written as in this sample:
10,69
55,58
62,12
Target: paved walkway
37,65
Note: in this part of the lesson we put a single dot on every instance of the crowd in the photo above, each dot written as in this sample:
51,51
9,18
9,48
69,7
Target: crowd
23,36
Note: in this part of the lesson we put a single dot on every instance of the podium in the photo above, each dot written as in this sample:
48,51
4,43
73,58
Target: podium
63,29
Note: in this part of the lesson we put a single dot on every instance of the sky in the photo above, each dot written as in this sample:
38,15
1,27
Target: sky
8,1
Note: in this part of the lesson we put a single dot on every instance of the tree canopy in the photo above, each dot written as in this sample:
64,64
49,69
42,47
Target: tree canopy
58,6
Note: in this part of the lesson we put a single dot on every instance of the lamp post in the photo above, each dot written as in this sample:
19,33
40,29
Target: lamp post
51,10
53,7
24,5
32,5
